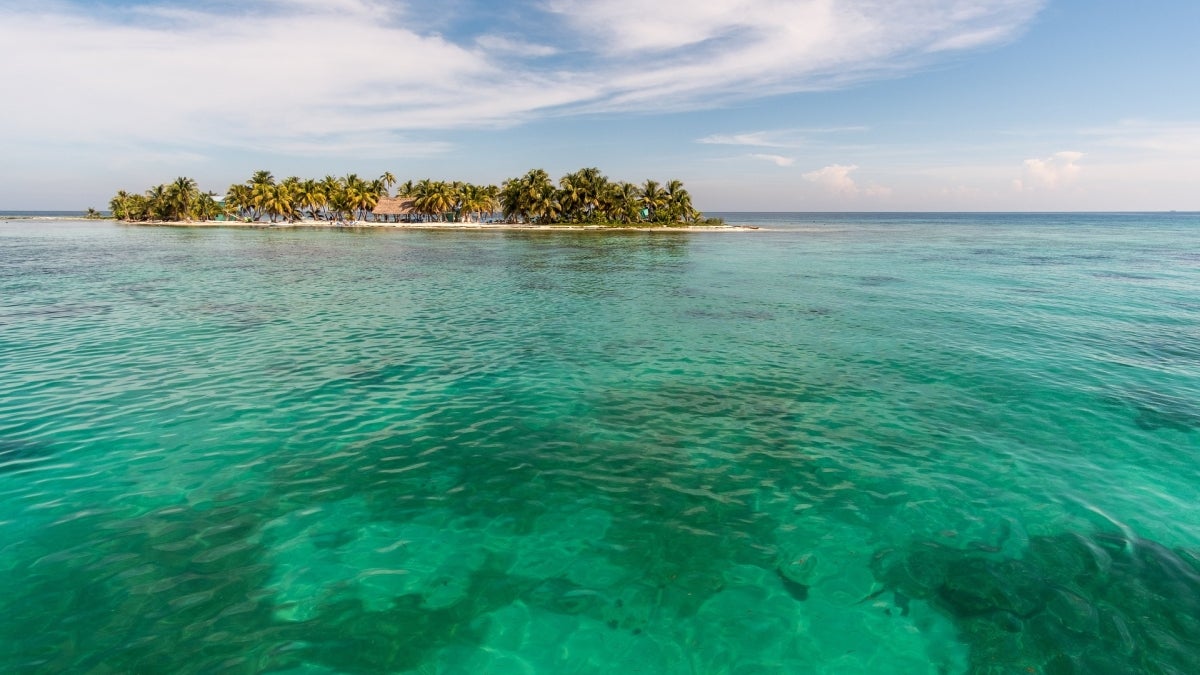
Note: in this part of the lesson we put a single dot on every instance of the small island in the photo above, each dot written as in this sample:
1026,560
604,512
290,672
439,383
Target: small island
583,199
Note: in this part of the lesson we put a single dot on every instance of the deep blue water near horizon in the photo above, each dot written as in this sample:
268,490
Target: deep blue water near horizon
885,443
25,215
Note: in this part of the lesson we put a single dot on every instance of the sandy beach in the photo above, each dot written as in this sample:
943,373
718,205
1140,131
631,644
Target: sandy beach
321,224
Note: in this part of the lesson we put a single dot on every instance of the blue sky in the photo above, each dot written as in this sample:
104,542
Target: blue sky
755,104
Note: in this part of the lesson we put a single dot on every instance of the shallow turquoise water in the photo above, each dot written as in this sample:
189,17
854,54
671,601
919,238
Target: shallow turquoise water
885,444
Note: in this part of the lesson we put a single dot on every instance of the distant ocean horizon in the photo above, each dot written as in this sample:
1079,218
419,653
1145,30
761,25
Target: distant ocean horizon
846,443
44,214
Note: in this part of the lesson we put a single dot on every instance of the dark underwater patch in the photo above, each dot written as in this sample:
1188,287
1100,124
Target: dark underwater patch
235,315
17,454
1158,410
388,373
1073,603
878,280
1041,260
797,590
1124,276
57,312
743,314
1170,346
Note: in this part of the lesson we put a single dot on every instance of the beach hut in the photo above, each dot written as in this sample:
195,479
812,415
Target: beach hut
393,207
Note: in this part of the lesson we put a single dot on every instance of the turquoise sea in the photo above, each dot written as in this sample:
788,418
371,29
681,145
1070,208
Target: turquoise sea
944,443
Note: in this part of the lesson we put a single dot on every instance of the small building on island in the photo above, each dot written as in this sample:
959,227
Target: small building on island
391,209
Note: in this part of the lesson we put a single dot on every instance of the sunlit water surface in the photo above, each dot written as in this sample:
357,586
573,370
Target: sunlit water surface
879,444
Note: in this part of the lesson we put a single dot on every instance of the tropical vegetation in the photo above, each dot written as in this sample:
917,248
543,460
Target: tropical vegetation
585,197
179,200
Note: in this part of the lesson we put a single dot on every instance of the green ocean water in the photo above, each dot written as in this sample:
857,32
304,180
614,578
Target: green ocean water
839,444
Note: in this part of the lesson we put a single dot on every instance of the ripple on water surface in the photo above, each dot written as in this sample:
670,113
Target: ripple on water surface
891,444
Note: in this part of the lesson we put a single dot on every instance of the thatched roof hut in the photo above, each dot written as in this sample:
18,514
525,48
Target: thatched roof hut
394,206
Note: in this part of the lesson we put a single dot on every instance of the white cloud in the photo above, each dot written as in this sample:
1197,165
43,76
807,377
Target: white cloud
98,84
777,160
1057,170
819,28
342,78
756,139
836,179
971,39
286,72
695,52
778,138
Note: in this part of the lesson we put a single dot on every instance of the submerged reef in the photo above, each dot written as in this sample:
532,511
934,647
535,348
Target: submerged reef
1073,603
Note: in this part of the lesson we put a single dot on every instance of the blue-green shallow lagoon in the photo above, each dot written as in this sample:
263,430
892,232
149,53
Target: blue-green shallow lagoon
879,444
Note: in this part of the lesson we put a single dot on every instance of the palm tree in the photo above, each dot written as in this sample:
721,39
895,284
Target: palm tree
653,200
341,205
585,196
310,195
239,201
419,192
180,196
435,198
157,202
529,198
623,203
137,208
511,204
260,195
289,191
544,206
534,186
493,197
276,201
262,190
335,197
361,195
376,190
388,180
119,206
206,207
679,203
580,195
262,176
352,189
478,200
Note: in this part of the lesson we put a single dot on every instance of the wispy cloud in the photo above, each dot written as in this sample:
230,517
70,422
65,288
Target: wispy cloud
289,75
280,81
777,160
1157,137
702,51
756,139
777,138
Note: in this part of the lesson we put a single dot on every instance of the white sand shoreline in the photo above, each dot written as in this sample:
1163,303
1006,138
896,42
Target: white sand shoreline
371,225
